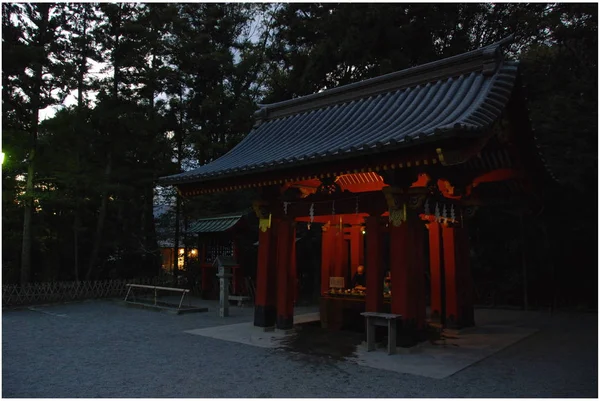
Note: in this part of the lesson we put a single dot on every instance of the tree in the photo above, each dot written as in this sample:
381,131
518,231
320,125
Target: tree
41,46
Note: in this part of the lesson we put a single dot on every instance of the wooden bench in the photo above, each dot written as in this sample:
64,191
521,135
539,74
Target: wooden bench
381,319
156,288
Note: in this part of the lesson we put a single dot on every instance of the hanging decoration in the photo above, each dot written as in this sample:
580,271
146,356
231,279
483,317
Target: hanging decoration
437,212
452,215
426,207
445,214
285,207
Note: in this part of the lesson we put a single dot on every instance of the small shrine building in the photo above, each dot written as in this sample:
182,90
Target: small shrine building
411,154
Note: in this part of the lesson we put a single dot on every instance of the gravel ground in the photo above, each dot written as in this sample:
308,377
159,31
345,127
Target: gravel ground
103,349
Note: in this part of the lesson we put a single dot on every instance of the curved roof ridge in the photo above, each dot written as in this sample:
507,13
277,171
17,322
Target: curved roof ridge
487,59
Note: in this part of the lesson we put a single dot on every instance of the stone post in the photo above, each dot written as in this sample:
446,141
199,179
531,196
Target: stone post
224,276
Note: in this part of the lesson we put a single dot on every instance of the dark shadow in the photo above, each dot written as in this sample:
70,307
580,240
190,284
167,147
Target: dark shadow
310,340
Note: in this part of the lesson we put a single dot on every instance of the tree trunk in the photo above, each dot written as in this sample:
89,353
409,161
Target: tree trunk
35,110
176,240
80,89
27,226
76,226
178,196
150,229
524,265
101,220
115,30
150,243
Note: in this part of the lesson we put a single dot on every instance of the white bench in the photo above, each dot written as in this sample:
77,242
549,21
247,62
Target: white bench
381,319
156,288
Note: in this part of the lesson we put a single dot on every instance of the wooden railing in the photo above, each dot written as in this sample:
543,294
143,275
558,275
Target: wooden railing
41,293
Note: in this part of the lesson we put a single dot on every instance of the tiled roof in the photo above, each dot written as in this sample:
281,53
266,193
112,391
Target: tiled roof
213,224
460,95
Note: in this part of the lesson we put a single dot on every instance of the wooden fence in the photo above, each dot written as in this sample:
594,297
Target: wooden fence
41,293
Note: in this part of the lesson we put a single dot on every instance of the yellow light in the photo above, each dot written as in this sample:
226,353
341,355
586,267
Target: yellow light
2,158
194,251
181,251
364,232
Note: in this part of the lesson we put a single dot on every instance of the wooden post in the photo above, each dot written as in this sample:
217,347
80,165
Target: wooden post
459,304
374,268
401,258
339,253
356,240
285,287
264,310
293,268
436,258
326,257
407,266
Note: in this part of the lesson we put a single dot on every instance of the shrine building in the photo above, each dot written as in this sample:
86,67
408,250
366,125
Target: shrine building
409,155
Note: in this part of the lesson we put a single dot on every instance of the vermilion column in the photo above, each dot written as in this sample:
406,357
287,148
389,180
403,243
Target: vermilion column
419,273
401,260
326,258
436,257
340,254
374,268
355,248
264,309
459,307
293,268
407,266
285,279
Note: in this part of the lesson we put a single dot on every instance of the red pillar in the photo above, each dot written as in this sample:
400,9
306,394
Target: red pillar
436,257
459,302
374,268
339,255
264,310
407,266
355,248
419,273
293,268
401,258
285,280
326,258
